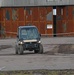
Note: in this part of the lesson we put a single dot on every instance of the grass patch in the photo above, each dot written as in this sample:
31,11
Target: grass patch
38,72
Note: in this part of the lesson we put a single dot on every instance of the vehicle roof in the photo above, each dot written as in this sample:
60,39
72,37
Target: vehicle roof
27,26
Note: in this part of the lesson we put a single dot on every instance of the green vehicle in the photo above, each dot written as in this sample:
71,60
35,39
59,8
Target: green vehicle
28,38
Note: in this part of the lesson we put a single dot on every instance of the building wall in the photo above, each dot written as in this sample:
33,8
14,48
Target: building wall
42,17
14,3
65,20
11,18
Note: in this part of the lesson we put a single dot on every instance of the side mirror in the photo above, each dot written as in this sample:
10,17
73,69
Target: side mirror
17,36
40,35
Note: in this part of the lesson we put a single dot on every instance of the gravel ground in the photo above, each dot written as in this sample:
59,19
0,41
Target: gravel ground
5,46
51,59
39,72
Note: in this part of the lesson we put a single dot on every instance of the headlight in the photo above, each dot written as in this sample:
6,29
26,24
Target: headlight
39,41
20,42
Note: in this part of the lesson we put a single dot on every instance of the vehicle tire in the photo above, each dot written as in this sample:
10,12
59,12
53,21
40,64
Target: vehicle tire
16,50
40,49
36,51
20,50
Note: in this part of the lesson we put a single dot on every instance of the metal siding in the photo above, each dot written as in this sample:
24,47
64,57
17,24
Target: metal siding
36,16
14,27
21,14
42,27
5,3
65,25
61,22
8,28
21,2
1,15
71,2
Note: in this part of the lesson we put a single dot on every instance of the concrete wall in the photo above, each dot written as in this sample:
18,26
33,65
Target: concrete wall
8,3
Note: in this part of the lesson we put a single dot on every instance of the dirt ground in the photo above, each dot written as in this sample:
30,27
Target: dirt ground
62,48
54,57
39,72
5,46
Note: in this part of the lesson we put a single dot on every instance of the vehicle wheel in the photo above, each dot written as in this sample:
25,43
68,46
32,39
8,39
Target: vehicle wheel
20,50
40,49
16,50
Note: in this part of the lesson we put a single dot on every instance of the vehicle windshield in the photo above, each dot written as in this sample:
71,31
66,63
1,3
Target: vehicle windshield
28,33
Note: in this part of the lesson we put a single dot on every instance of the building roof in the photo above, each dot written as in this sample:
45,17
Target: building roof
16,3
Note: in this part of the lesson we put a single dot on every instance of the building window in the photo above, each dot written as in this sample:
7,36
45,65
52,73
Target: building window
67,11
61,11
73,12
49,16
14,14
7,15
29,11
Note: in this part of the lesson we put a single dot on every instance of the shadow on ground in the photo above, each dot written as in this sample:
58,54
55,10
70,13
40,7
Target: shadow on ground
63,49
